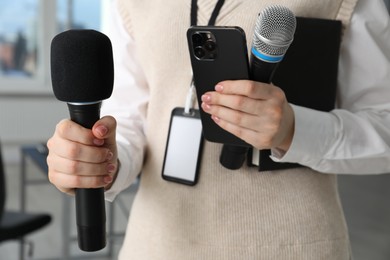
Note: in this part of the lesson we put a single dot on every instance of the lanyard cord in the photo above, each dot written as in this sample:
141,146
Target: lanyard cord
214,14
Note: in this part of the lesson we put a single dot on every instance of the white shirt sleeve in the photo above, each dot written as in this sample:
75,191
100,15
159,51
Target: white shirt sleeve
128,103
355,138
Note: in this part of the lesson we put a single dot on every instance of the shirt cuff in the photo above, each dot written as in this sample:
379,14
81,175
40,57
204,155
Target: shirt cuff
314,130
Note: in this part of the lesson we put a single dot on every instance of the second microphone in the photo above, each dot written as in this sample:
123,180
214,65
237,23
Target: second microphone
273,34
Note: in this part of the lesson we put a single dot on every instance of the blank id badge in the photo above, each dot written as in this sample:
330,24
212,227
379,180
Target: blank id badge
184,147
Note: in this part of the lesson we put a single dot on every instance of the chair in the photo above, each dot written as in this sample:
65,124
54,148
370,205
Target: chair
16,224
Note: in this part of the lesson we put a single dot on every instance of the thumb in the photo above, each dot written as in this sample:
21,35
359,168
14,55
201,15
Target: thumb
104,129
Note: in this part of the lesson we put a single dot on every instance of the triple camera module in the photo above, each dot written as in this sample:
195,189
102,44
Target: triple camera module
204,45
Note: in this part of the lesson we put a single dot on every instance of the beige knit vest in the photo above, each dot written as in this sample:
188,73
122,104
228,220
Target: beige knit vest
242,214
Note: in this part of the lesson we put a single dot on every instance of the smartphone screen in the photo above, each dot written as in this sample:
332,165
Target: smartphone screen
184,145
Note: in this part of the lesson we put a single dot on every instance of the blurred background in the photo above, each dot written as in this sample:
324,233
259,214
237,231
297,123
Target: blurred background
29,113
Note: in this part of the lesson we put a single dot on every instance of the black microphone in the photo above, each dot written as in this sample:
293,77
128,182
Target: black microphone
273,34
82,74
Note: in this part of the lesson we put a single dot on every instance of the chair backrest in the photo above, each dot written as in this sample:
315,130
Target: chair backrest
2,184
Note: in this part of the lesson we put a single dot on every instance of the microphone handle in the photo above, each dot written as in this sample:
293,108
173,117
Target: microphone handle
90,204
233,157
262,71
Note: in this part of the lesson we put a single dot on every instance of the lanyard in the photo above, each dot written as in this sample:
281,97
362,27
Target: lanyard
214,14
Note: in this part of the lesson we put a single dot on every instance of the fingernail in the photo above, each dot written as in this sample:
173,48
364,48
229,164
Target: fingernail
107,179
216,119
98,142
102,130
111,168
109,156
206,98
219,88
206,107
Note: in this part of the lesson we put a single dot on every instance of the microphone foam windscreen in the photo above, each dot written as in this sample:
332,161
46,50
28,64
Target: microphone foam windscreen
82,68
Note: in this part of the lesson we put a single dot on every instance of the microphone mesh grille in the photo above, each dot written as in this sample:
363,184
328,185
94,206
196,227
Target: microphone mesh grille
274,30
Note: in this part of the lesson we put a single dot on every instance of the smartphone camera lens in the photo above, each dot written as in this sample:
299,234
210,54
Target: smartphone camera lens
199,52
209,45
197,39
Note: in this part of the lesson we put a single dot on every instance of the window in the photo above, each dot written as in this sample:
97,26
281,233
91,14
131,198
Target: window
80,14
18,38
26,30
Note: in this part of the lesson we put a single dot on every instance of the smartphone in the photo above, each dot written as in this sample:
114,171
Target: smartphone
217,53
184,147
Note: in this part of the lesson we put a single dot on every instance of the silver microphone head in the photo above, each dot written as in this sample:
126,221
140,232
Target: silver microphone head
274,32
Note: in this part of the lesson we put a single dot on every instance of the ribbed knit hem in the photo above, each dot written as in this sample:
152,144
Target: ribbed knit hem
337,249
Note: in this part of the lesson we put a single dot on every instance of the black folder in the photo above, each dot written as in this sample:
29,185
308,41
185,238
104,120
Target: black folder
308,73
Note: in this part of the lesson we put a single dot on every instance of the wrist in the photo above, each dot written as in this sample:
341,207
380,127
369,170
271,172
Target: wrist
289,127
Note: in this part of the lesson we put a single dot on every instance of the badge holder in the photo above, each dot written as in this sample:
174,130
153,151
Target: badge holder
184,144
